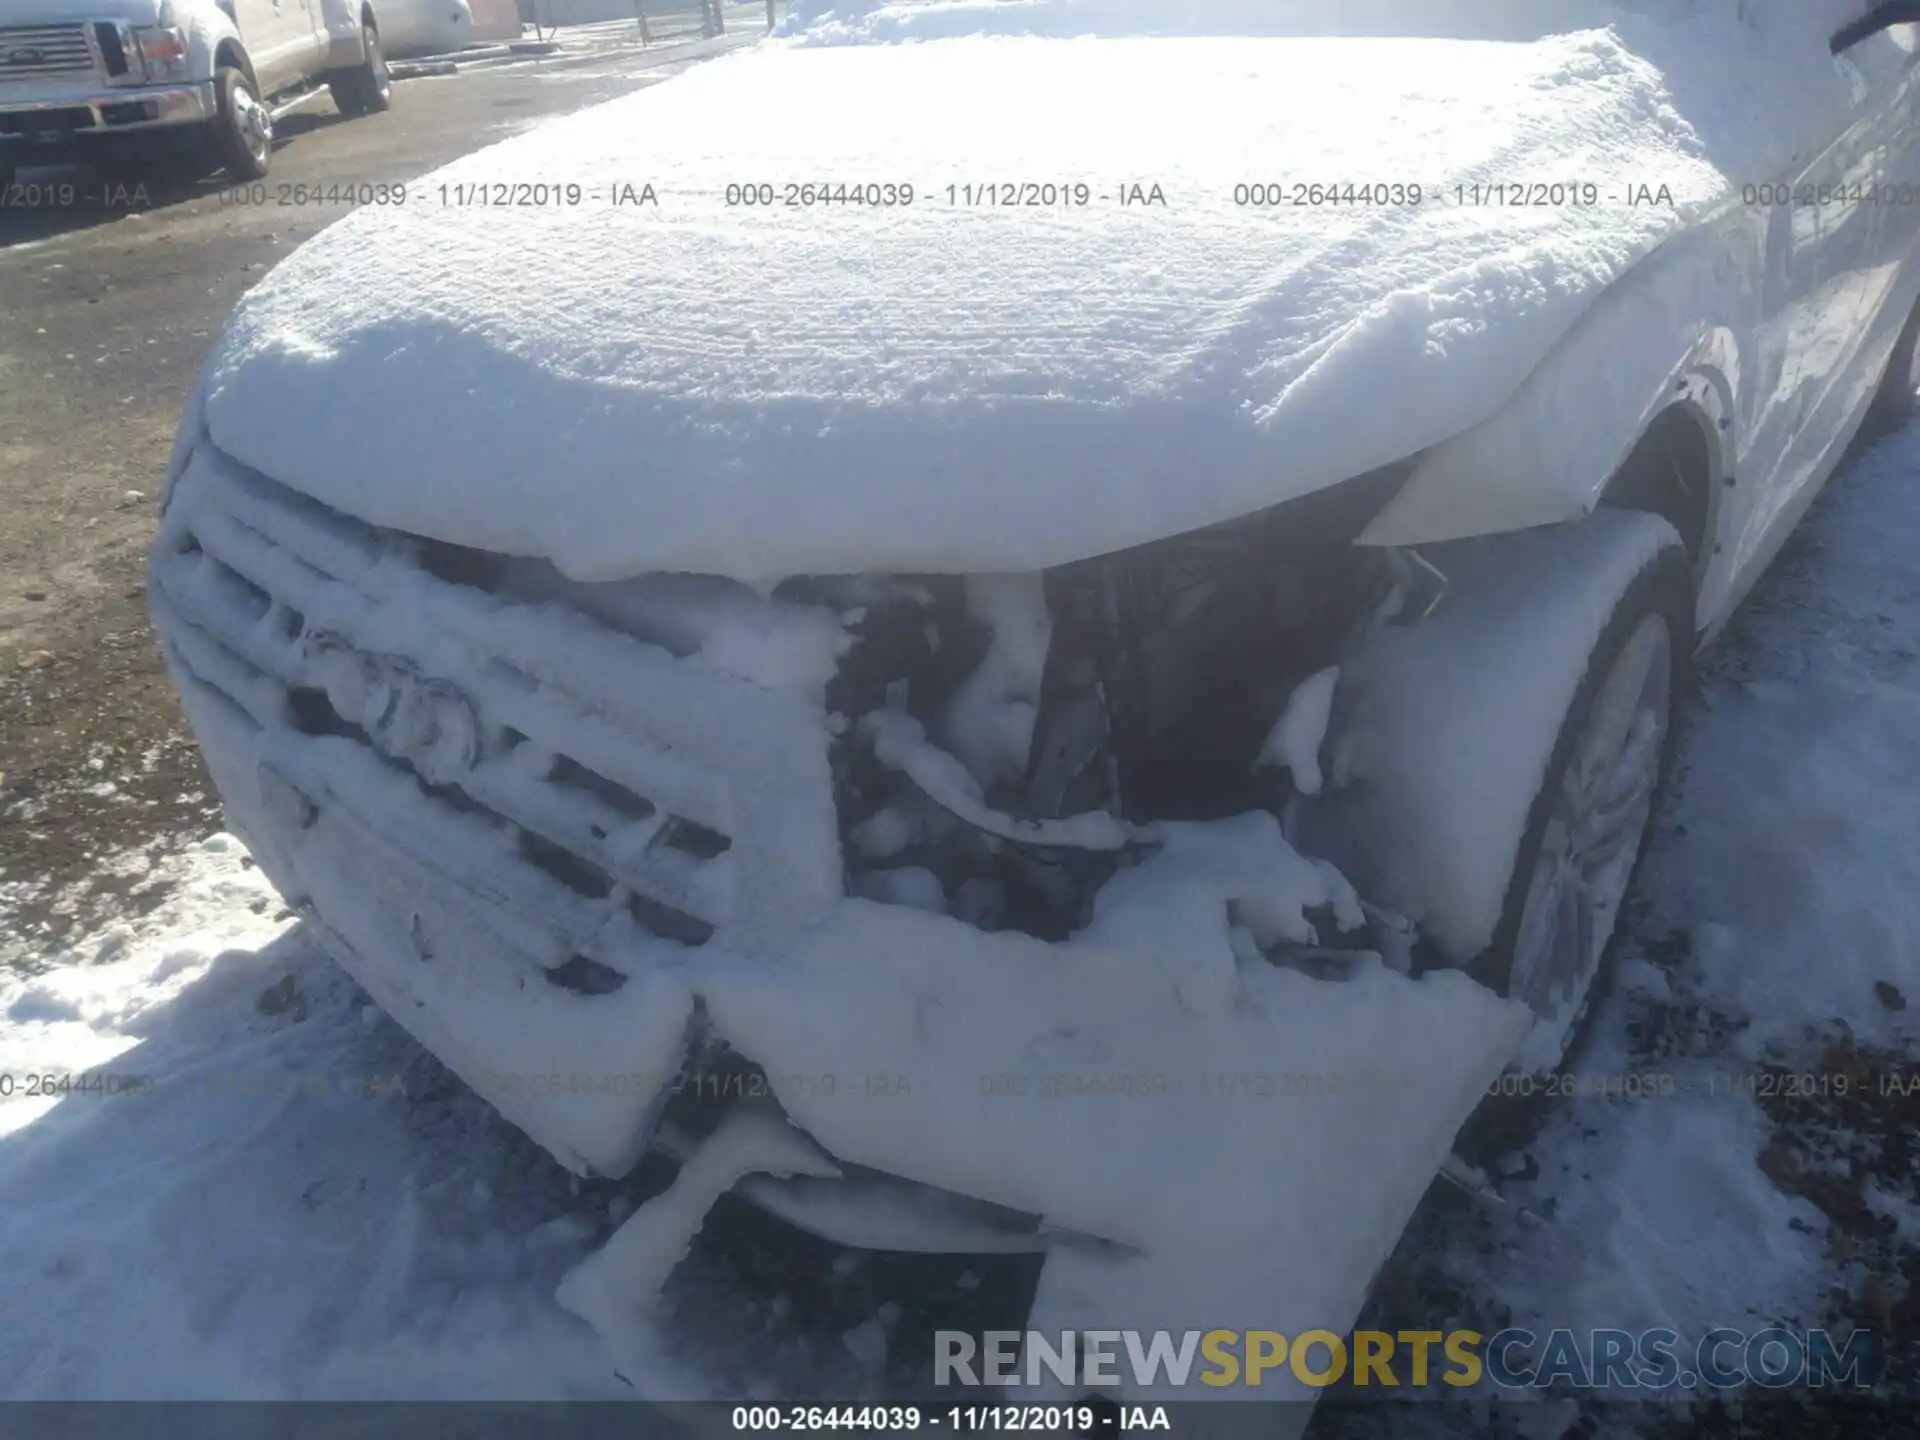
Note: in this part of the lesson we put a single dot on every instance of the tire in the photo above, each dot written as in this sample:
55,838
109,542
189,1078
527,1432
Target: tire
1645,650
242,127
368,89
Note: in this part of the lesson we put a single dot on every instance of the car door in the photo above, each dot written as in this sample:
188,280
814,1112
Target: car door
1839,279
283,37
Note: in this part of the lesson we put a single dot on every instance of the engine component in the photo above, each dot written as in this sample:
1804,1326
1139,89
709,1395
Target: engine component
1165,670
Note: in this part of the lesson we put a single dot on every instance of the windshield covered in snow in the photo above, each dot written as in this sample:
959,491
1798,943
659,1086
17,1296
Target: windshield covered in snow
855,21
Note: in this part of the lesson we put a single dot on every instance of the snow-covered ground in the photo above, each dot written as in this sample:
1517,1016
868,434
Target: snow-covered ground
294,1200
1729,1163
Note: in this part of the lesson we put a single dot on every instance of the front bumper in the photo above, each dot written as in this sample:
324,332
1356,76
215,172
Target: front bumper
520,831
470,797
25,124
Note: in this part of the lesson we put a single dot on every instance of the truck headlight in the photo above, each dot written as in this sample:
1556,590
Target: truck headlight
163,51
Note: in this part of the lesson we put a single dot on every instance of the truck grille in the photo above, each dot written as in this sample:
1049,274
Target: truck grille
30,51
629,792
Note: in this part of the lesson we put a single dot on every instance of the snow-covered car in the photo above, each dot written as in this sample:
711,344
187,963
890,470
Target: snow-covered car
1069,649
124,80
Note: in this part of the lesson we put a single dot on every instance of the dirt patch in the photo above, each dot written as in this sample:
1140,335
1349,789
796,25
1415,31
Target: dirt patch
110,304
1846,1138
96,770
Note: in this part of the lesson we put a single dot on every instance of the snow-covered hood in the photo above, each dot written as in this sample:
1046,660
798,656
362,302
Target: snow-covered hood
951,385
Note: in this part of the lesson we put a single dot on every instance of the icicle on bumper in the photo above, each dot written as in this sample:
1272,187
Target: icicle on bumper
615,1288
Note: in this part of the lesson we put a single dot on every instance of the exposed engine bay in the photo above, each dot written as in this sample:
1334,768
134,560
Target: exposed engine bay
1006,744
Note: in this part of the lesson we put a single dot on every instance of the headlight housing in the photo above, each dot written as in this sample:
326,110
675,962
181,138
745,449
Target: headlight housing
163,52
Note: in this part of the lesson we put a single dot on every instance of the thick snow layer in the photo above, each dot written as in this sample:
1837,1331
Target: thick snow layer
1182,905
737,632
865,22
758,390
1302,1119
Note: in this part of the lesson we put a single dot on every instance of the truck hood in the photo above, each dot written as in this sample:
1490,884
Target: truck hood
52,12
539,354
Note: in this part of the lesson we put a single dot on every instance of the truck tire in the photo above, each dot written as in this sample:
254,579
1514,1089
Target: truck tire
242,128
1586,834
368,88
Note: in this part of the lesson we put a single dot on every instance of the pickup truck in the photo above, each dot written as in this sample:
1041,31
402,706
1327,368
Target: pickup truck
122,81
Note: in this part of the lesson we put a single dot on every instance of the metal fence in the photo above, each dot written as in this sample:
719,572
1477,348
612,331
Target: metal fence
656,21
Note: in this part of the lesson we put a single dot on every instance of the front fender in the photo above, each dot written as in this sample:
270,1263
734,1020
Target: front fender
1444,731
1664,333
208,27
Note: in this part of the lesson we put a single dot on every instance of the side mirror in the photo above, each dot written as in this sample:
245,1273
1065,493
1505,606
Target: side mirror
1882,17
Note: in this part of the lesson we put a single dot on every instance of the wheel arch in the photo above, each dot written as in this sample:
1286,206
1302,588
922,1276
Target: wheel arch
1677,469
1649,373
230,53
1557,453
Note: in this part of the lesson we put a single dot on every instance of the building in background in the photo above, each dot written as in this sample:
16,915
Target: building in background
587,12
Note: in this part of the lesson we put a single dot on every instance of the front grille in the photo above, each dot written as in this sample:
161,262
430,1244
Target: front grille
608,772
28,52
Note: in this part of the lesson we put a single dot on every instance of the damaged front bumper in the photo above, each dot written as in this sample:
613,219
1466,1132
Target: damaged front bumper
560,856
533,841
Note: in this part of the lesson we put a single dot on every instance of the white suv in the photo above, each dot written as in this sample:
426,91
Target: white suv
1037,639
119,80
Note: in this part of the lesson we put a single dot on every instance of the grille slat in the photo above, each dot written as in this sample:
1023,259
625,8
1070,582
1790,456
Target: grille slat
333,582
32,51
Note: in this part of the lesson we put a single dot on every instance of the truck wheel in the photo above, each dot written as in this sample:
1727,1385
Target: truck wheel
1586,831
243,128
367,90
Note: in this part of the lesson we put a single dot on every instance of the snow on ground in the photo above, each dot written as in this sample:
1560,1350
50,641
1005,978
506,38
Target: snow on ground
1778,935
248,1206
